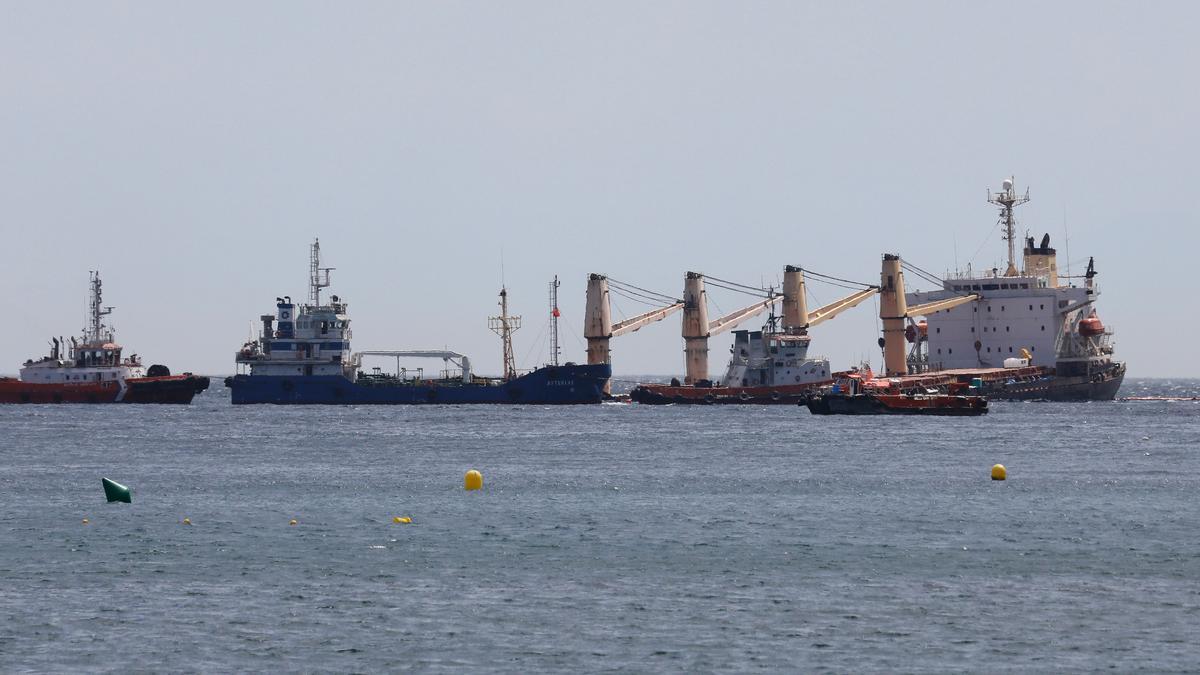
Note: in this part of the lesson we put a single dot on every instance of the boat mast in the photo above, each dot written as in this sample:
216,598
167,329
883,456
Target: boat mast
504,326
1007,199
554,348
94,332
315,280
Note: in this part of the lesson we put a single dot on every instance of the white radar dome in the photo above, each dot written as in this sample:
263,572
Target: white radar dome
1007,184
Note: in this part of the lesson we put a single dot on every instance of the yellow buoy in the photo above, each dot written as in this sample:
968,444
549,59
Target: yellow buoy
999,472
187,521
473,480
292,521
401,520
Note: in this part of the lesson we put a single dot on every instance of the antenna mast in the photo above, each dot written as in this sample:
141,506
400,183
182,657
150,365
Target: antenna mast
554,348
95,330
315,280
1007,199
504,326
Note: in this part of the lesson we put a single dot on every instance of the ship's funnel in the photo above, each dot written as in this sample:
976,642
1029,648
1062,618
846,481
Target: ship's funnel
695,328
1041,261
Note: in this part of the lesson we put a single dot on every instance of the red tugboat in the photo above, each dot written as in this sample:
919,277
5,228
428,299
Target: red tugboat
859,393
91,370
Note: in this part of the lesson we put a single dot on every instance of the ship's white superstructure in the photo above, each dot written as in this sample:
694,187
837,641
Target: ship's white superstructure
1027,313
94,357
305,339
770,358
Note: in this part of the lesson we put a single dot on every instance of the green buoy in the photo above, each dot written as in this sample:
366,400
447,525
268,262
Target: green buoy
115,492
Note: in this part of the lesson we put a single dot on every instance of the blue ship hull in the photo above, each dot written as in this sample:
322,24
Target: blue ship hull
550,385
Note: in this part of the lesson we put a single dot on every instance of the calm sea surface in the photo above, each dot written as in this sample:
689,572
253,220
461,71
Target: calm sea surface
611,537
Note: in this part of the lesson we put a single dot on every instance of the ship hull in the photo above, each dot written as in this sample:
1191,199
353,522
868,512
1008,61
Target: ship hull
168,389
1103,387
663,394
570,384
1032,383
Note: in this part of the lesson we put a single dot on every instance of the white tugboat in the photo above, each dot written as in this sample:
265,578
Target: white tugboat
91,369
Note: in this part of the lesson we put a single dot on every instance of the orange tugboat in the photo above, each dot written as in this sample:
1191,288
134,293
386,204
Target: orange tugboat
92,370
860,394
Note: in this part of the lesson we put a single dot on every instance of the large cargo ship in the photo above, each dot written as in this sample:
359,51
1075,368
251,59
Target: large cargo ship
91,369
768,366
303,356
1027,333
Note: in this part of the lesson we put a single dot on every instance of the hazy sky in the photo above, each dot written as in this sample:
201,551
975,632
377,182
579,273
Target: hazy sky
191,151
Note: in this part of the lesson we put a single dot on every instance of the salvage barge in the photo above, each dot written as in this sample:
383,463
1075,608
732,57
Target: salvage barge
897,404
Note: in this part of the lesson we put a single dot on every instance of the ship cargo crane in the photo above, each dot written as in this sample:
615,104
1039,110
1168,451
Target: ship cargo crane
697,328
598,327
796,317
894,310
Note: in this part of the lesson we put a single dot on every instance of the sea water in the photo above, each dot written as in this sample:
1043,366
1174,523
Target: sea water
609,537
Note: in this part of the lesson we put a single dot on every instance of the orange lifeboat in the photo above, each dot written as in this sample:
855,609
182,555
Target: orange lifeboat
919,331
1091,326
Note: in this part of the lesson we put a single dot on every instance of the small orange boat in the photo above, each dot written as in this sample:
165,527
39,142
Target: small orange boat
857,393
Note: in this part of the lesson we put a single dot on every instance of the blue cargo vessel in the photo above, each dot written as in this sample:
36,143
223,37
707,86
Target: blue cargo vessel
303,357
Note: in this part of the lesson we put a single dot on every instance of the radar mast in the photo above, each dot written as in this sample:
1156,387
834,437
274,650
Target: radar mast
555,351
315,280
96,331
504,326
1007,199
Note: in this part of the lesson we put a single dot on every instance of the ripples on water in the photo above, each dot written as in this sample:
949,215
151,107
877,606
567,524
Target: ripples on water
606,537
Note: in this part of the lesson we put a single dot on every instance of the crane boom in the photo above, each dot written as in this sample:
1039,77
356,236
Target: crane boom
734,318
632,324
938,305
837,307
